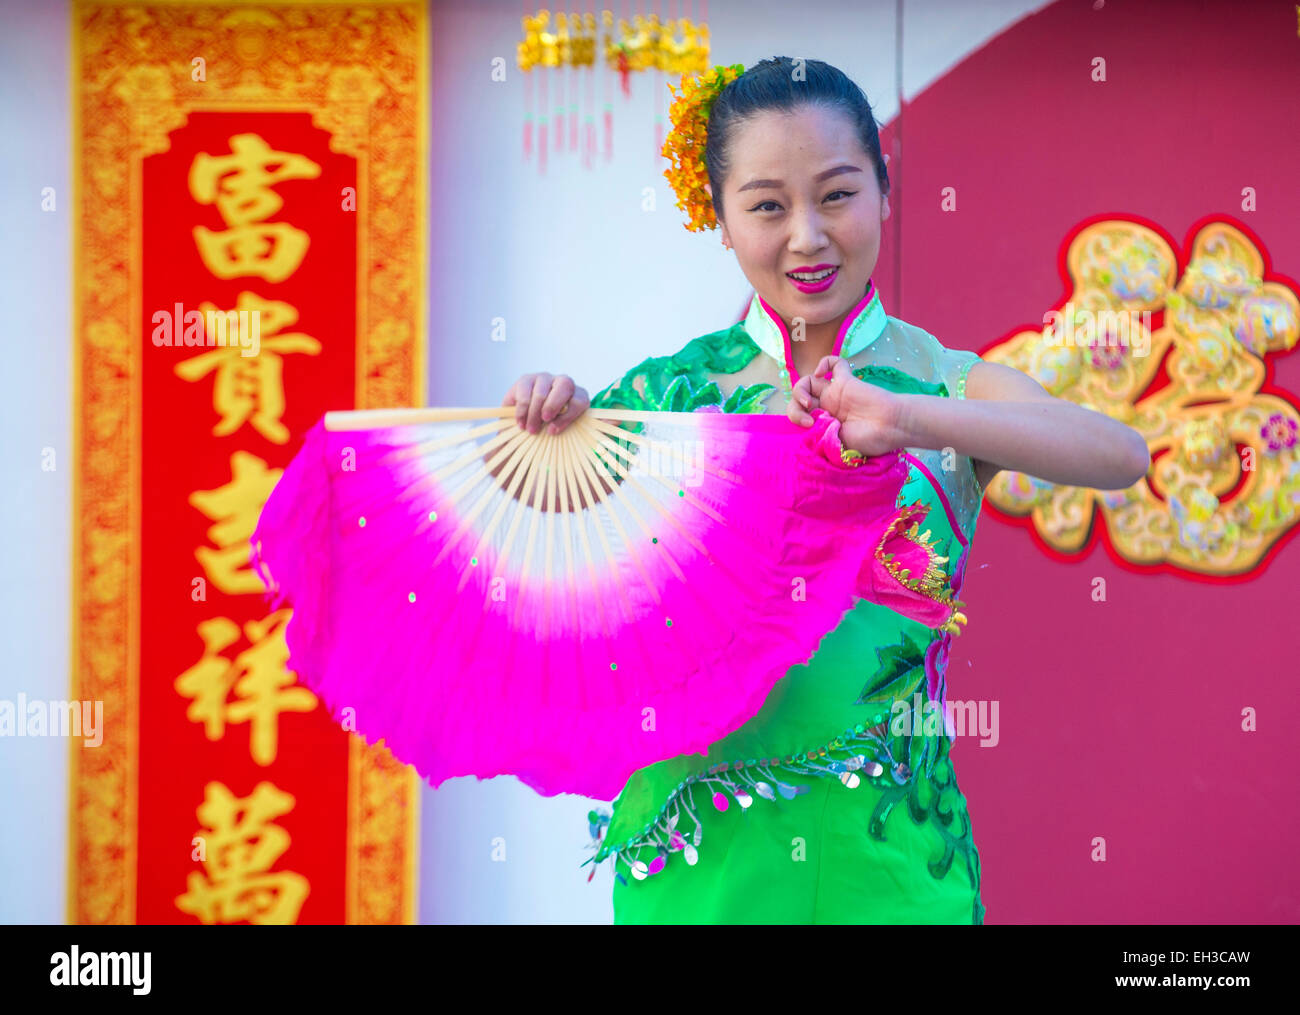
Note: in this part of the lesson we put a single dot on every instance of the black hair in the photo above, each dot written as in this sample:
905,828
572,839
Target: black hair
773,85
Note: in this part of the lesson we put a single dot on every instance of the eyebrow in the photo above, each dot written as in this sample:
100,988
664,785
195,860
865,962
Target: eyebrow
759,184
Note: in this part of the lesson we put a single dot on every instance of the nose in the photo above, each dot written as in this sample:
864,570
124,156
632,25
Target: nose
807,232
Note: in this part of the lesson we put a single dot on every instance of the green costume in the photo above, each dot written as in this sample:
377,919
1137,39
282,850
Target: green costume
838,802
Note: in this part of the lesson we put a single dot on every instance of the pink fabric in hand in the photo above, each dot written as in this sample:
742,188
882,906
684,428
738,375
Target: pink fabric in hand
824,437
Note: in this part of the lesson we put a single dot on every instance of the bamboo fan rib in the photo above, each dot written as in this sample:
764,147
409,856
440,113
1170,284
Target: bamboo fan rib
565,608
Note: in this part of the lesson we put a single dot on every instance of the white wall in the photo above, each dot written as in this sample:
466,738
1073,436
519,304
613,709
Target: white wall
35,413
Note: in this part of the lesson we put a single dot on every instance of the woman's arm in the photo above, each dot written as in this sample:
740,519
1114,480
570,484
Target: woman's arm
1007,421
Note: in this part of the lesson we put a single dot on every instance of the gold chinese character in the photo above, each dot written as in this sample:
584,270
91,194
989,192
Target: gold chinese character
235,508
250,389
238,883
240,186
270,250
262,685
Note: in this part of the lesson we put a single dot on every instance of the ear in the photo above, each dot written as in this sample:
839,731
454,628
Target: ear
886,161
884,207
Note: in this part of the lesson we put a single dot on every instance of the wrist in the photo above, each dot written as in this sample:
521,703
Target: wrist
904,435
889,425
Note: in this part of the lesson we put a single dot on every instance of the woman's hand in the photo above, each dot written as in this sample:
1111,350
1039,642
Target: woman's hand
869,415
542,400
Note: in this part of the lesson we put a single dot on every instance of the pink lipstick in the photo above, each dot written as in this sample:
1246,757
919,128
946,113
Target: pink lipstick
811,283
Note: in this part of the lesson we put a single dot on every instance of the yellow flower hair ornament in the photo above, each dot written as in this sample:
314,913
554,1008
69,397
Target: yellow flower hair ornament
684,146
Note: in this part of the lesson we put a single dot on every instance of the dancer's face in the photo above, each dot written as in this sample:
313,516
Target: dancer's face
796,220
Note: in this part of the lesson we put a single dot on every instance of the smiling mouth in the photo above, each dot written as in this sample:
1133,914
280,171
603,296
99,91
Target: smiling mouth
816,276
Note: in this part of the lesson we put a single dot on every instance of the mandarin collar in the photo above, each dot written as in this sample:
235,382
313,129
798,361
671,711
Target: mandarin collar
861,326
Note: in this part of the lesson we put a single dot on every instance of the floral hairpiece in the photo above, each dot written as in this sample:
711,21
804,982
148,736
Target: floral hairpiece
684,145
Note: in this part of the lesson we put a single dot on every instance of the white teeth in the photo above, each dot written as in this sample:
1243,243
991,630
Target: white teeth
812,278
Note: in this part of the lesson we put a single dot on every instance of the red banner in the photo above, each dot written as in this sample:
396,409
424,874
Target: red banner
228,303
239,215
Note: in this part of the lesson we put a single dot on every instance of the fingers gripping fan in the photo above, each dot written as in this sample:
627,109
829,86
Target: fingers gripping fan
569,608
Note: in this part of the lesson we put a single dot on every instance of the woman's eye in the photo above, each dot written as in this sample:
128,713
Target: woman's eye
846,193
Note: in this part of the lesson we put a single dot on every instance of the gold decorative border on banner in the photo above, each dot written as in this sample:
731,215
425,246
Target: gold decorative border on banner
361,70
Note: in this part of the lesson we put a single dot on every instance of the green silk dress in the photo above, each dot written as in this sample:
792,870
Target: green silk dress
837,802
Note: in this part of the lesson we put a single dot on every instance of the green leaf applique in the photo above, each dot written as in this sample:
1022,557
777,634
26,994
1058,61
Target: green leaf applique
896,661
748,399
893,379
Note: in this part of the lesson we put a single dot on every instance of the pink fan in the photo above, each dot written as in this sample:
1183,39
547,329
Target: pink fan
569,608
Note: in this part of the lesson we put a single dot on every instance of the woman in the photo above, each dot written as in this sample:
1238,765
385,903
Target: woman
838,801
